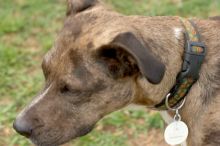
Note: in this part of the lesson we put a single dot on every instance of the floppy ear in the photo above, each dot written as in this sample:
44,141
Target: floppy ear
126,46
75,6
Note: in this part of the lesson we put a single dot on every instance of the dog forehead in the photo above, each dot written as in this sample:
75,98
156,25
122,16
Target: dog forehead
84,33
93,28
96,38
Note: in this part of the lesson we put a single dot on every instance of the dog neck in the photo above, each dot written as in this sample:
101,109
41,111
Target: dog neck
168,45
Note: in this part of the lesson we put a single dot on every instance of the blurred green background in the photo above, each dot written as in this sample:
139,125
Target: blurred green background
27,31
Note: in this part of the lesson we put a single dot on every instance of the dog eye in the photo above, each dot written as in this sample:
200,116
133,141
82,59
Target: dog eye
64,89
68,90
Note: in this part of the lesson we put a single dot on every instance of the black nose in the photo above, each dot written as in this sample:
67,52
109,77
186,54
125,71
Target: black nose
23,126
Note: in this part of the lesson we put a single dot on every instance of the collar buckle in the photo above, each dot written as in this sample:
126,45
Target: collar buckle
193,58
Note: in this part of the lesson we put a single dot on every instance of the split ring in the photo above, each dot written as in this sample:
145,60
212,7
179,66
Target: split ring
174,109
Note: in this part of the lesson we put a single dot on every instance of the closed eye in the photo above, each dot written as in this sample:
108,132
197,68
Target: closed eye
68,90
75,97
64,89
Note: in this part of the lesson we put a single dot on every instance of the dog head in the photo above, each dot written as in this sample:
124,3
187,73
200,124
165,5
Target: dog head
91,71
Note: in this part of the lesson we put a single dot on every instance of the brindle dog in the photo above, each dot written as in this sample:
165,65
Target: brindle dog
103,61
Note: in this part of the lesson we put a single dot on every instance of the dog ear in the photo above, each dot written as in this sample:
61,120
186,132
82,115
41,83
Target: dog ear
76,6
126,55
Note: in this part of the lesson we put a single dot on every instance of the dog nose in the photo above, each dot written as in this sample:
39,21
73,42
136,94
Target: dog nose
23,126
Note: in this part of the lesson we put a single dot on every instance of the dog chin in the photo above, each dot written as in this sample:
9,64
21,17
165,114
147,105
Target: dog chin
38,143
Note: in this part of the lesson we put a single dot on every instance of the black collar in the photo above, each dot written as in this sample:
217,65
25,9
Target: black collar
193,58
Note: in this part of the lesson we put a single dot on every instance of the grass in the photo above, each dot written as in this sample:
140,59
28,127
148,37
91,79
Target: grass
185,8
27,31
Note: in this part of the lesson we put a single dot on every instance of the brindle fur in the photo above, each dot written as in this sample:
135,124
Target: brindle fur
84,84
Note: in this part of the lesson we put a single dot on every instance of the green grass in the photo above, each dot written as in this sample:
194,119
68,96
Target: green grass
185,8
27,31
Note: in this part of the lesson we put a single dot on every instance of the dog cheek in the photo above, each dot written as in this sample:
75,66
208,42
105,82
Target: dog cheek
114,102
123,97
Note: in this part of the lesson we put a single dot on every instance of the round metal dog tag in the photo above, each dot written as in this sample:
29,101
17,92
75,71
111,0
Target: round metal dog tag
176,133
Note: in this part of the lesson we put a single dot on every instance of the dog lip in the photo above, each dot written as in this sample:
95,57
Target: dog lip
81,132
37,143
84,130
37,140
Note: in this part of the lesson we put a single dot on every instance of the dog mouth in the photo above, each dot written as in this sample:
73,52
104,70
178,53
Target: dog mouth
57,140
52,137
38,143
84,130
54,143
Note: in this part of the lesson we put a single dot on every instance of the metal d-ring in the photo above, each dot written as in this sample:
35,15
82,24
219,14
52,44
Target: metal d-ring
176,108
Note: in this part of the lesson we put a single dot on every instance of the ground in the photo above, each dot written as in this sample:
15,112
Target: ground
27,31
